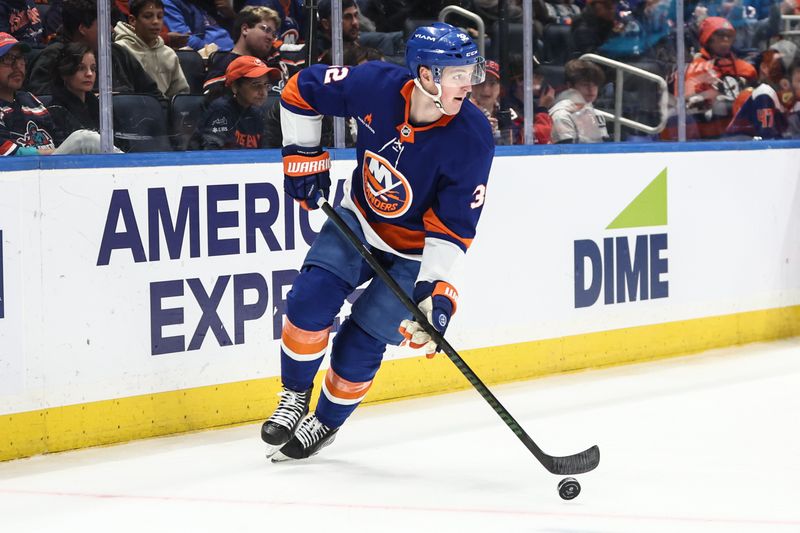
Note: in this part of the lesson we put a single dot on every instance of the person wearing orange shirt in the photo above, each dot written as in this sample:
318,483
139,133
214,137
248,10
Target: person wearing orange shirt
715,77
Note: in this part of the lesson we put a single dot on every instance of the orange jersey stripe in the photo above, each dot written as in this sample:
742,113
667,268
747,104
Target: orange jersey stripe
399,238
344,389
304,342
434,224
395,236
291,94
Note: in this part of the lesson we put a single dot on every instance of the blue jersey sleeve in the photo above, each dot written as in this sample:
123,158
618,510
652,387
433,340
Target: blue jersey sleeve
451,221
759,116
325,90
455,213
461,193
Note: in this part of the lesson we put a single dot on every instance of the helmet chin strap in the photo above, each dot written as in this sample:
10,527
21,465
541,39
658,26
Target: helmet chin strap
437,98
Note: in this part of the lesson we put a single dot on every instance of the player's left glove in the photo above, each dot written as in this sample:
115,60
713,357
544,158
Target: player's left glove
437,301
306,174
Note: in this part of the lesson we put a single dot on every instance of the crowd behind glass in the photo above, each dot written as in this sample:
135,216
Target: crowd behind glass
207,74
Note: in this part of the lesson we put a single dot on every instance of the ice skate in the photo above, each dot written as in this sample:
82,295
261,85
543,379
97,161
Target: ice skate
281,426
310,438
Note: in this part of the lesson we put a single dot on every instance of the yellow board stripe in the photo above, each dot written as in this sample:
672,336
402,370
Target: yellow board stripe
120,420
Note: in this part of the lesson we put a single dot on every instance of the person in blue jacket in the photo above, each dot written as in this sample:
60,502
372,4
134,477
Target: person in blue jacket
205,21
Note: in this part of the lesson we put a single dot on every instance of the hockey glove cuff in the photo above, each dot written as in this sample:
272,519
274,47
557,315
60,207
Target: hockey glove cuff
306,174
437,301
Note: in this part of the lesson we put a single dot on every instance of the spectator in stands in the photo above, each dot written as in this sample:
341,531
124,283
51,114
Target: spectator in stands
74,105
543,98
293,17
21,19
391,45
351,28
574,118
595,25
715,77
793,131
51,21
236,120
172,39
254,31
141,36
80,25
353,54
763,112
389,15
205,21
26,127
486,96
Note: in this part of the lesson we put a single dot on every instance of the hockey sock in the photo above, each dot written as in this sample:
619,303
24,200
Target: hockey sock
355,359
312,304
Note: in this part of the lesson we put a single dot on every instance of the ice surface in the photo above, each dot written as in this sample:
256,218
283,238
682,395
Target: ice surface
705,443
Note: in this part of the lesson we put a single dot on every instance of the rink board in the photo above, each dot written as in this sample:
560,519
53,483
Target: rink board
581,260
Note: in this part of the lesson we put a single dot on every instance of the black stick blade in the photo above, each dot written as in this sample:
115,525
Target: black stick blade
579,463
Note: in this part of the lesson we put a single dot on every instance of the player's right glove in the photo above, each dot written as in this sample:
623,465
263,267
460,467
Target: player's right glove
437,301
306,174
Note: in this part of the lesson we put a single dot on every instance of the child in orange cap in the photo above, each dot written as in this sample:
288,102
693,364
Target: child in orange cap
715,77
236,120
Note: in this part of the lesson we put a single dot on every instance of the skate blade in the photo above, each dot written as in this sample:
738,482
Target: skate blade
279,457
272,450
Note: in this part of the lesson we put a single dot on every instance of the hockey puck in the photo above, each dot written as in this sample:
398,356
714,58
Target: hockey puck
569,488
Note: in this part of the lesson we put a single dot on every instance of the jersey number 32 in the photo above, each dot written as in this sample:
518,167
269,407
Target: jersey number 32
336,74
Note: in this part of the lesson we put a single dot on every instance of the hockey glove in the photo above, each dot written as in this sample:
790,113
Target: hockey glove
306,174
437,301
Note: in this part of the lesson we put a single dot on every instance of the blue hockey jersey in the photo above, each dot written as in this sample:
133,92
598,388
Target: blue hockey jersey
417,190
761,114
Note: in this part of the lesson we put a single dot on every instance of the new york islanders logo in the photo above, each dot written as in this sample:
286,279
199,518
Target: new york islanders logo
387,191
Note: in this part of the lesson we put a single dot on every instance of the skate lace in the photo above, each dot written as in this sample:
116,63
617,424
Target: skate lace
290,408
311,431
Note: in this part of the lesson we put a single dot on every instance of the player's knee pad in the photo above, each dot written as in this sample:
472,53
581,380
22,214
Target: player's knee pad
316,297
356,355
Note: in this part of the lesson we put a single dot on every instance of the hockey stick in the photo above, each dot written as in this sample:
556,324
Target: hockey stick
572,464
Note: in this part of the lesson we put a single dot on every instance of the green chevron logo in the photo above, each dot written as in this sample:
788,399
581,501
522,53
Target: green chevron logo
628,266
649,208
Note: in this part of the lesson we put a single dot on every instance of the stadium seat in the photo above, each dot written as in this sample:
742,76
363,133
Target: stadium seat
557,43
514,42
553,75
139,124
185,113
194,69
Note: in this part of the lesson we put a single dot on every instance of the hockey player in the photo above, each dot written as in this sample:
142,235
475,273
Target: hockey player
415,197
